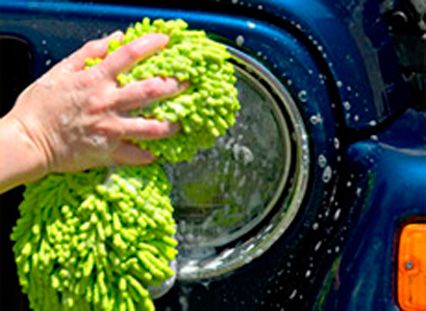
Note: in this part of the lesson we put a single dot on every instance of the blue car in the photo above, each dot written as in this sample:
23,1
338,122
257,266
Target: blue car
316,199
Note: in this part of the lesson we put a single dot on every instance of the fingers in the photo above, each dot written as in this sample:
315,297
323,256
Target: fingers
128,154
141,94
92,49
137,128
140,128
131,53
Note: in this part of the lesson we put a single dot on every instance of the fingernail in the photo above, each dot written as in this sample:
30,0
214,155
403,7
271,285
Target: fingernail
116,35
158,36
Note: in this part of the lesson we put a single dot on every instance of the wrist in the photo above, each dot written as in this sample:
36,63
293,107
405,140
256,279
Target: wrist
21,161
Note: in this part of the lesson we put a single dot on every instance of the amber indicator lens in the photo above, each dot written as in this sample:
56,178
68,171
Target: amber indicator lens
412,268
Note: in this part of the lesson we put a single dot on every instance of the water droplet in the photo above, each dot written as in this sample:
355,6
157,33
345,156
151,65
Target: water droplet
242,153
308,273
48,62
234,1
349,184
327,174
315,226
337,214
339,84
372,123
239,40
336,143
315,119
356,118
43,42
374,137
346,105
322,161
251,25
260,7
317,246
303,96
184,303
358,191
349,88
293,294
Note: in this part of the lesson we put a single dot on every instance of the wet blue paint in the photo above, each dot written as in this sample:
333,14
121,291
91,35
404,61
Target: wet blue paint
337,61
392,171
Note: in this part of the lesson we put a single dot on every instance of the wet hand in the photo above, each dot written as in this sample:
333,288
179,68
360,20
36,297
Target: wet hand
77,118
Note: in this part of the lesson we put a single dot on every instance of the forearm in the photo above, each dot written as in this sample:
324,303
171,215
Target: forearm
20,161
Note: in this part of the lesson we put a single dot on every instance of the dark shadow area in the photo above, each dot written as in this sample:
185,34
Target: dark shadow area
15,75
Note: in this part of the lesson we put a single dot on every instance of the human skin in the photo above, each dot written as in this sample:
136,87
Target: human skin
73,119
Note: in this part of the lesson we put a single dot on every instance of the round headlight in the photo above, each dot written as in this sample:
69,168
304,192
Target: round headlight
233,201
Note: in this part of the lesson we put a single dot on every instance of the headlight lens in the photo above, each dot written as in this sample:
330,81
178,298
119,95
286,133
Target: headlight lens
233,201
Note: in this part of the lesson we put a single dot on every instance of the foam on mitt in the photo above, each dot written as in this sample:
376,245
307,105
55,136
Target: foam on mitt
96,240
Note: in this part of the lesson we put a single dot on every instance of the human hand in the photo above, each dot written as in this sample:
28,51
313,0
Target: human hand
76,118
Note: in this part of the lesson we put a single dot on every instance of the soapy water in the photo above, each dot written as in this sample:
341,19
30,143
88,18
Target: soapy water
225,188
346,105
239,40
322,161
303,96
293,294
315,119
327,174
160,290
336,143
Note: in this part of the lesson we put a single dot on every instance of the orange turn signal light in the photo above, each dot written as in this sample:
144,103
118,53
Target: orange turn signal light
412,268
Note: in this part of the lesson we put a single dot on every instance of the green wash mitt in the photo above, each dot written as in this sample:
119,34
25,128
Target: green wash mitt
207,108
96,240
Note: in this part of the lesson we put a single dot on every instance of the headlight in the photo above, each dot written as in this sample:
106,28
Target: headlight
233,201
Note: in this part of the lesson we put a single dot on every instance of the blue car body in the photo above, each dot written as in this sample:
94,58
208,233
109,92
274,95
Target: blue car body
340,251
